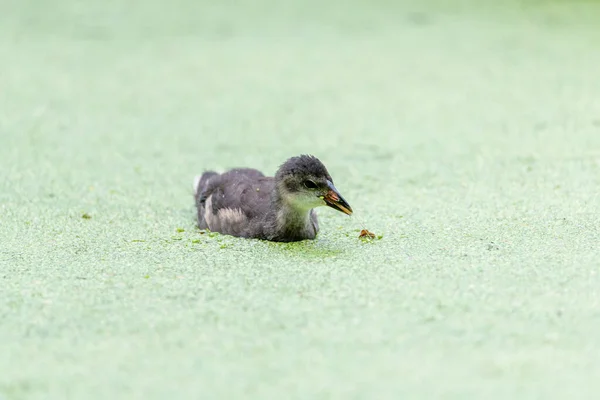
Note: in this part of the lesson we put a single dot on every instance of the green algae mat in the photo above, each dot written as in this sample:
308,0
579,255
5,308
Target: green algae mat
466,137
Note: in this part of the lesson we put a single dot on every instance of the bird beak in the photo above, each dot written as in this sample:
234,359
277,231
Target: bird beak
334,199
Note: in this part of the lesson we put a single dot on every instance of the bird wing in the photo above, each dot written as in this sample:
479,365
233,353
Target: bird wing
235,198
250,194
210,182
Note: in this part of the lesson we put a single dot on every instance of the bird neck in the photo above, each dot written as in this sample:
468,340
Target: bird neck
291,219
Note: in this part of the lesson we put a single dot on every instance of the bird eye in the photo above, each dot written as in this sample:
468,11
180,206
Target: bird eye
310,184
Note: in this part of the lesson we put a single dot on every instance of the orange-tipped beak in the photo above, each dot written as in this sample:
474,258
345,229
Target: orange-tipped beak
334,199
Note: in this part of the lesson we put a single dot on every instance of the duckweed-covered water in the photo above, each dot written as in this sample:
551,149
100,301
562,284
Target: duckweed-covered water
467,136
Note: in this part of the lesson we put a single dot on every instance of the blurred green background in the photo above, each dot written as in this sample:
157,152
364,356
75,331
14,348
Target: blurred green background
467,133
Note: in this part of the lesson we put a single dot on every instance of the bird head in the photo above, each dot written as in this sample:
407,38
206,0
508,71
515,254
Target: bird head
305,183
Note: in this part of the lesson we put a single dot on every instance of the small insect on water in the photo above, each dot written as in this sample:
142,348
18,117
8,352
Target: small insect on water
365,234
